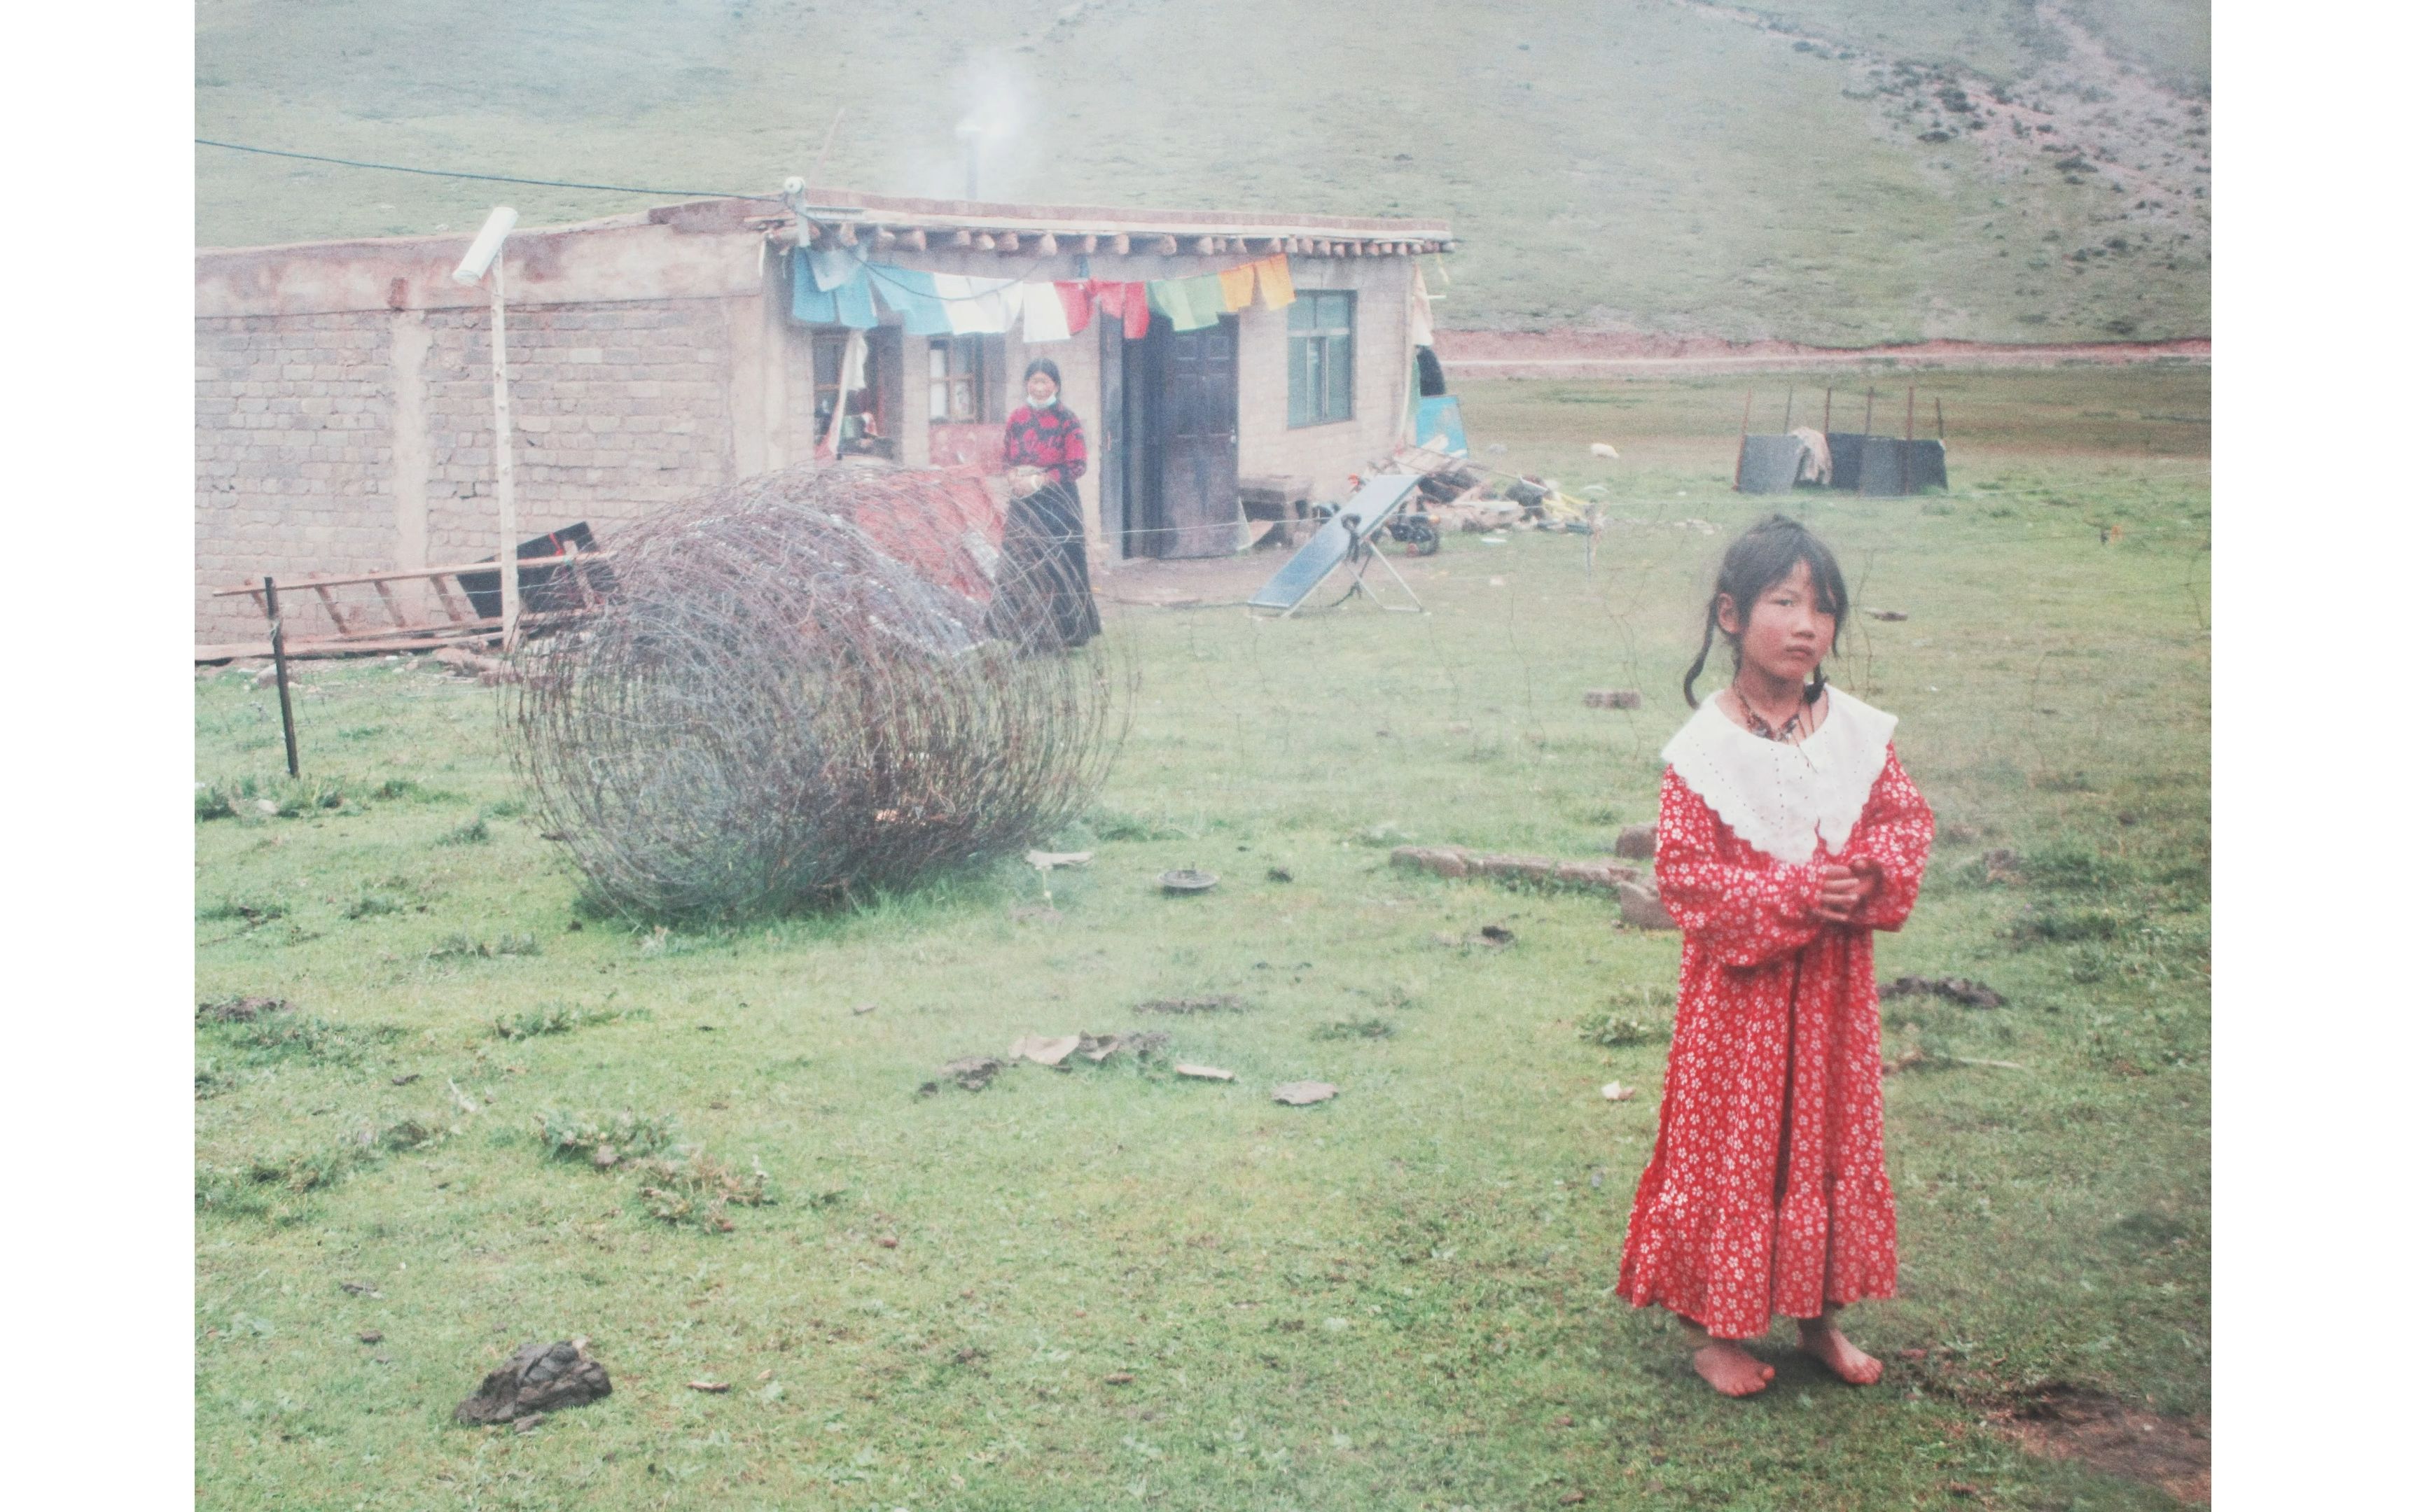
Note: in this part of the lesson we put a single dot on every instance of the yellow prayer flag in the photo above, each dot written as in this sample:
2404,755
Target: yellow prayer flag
1235,286
1277,280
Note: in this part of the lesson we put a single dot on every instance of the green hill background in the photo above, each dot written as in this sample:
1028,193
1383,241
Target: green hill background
1837,171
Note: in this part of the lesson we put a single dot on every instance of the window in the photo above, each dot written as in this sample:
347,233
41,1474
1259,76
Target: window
860,431
956,371
1319,357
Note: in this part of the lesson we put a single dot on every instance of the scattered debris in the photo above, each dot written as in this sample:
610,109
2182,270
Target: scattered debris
405,1080
1119,1377
1571,1498
1223,1003
539,1378
712,1388
974,1072
1999,865
490,670
1888,615
1184,879
1207,1074
1636,841
1036,914
1495,934
1453,861
863,1008
360,1288
1278,873
1616,1092
1612,698
1371,1027
1140,1043
1642,909
1601,448
369,1335
1044,1050
1912,1060
1957,989
1303,1094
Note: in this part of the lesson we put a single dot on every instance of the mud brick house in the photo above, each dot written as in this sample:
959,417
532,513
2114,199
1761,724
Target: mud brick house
343,417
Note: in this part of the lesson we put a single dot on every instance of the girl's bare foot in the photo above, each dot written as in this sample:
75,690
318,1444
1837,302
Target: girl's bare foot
1823,1338
1733,1370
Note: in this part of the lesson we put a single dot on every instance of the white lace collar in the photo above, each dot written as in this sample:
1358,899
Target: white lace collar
1785,798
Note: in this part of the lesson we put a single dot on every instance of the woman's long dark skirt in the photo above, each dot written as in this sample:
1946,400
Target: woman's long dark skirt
1045,596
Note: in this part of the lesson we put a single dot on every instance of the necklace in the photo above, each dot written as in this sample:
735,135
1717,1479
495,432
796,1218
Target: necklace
1761,727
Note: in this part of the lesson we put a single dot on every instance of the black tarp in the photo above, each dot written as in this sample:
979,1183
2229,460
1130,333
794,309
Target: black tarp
1848,449
1769,464
543,589
1928,466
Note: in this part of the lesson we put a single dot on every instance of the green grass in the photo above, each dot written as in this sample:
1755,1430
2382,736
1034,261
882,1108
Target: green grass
1398,1299
1636,165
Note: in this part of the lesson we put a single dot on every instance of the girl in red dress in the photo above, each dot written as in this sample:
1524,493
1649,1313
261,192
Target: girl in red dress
1788,835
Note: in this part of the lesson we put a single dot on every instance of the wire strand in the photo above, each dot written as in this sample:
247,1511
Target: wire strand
486,177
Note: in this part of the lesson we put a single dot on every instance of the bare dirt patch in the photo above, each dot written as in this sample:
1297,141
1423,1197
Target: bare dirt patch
2062,1422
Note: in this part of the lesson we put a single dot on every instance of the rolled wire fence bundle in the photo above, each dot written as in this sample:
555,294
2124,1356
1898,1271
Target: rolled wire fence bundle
812,683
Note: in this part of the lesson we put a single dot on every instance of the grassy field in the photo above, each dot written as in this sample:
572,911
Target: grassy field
1111,1285
1788,171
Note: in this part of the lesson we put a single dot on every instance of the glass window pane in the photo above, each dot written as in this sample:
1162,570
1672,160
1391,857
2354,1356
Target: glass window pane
1340,378
941,400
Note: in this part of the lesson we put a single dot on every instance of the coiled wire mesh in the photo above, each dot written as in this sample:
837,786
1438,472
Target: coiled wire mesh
814,682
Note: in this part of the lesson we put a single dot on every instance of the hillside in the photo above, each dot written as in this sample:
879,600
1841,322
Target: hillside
1844,172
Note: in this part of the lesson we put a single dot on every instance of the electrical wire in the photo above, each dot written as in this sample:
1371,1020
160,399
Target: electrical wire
487,178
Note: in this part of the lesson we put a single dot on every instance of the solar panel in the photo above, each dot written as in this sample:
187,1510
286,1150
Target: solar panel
1357,519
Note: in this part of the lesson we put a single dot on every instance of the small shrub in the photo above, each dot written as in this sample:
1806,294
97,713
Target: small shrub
509,808
472,831
555,1018
461,945
622,1137
696,1188
373,905
252,911
1616,1029
264,1040
210,803
2069,925
397,787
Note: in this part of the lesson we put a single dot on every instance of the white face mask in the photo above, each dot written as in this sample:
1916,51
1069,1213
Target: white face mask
1044,403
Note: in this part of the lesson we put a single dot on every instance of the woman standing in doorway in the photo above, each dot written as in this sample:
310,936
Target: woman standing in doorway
1045,584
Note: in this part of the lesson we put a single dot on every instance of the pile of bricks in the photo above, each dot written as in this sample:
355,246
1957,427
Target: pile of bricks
1640,907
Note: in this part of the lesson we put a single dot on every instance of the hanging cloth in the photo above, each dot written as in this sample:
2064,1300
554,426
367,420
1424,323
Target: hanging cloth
834,266
1046,318
1129,303
852,377
976,305
1075,305
1207,299
1423,329
1235,285
849,304
1277,280
909,292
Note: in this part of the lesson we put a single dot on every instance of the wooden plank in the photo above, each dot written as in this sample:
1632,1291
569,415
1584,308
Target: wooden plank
328,602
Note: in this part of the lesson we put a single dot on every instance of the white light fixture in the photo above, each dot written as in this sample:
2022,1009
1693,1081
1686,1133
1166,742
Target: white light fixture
486,246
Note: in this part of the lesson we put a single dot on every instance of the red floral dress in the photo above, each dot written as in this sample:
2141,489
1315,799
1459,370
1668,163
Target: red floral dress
1766,1191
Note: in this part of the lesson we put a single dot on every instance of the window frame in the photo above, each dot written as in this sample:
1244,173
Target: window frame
1319,357
966,368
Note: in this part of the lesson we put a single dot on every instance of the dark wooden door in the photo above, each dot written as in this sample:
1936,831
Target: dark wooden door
1110,463
1198,502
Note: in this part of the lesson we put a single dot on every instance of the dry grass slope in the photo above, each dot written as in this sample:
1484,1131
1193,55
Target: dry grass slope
1841,171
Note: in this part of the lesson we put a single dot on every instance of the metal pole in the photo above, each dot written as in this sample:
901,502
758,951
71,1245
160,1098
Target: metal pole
1741,465
1869,413
1939,427
277,655
1827,409
1788,401
508,571
1911,412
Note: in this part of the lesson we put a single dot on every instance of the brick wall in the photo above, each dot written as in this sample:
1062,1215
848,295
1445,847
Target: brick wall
291,454
617,408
